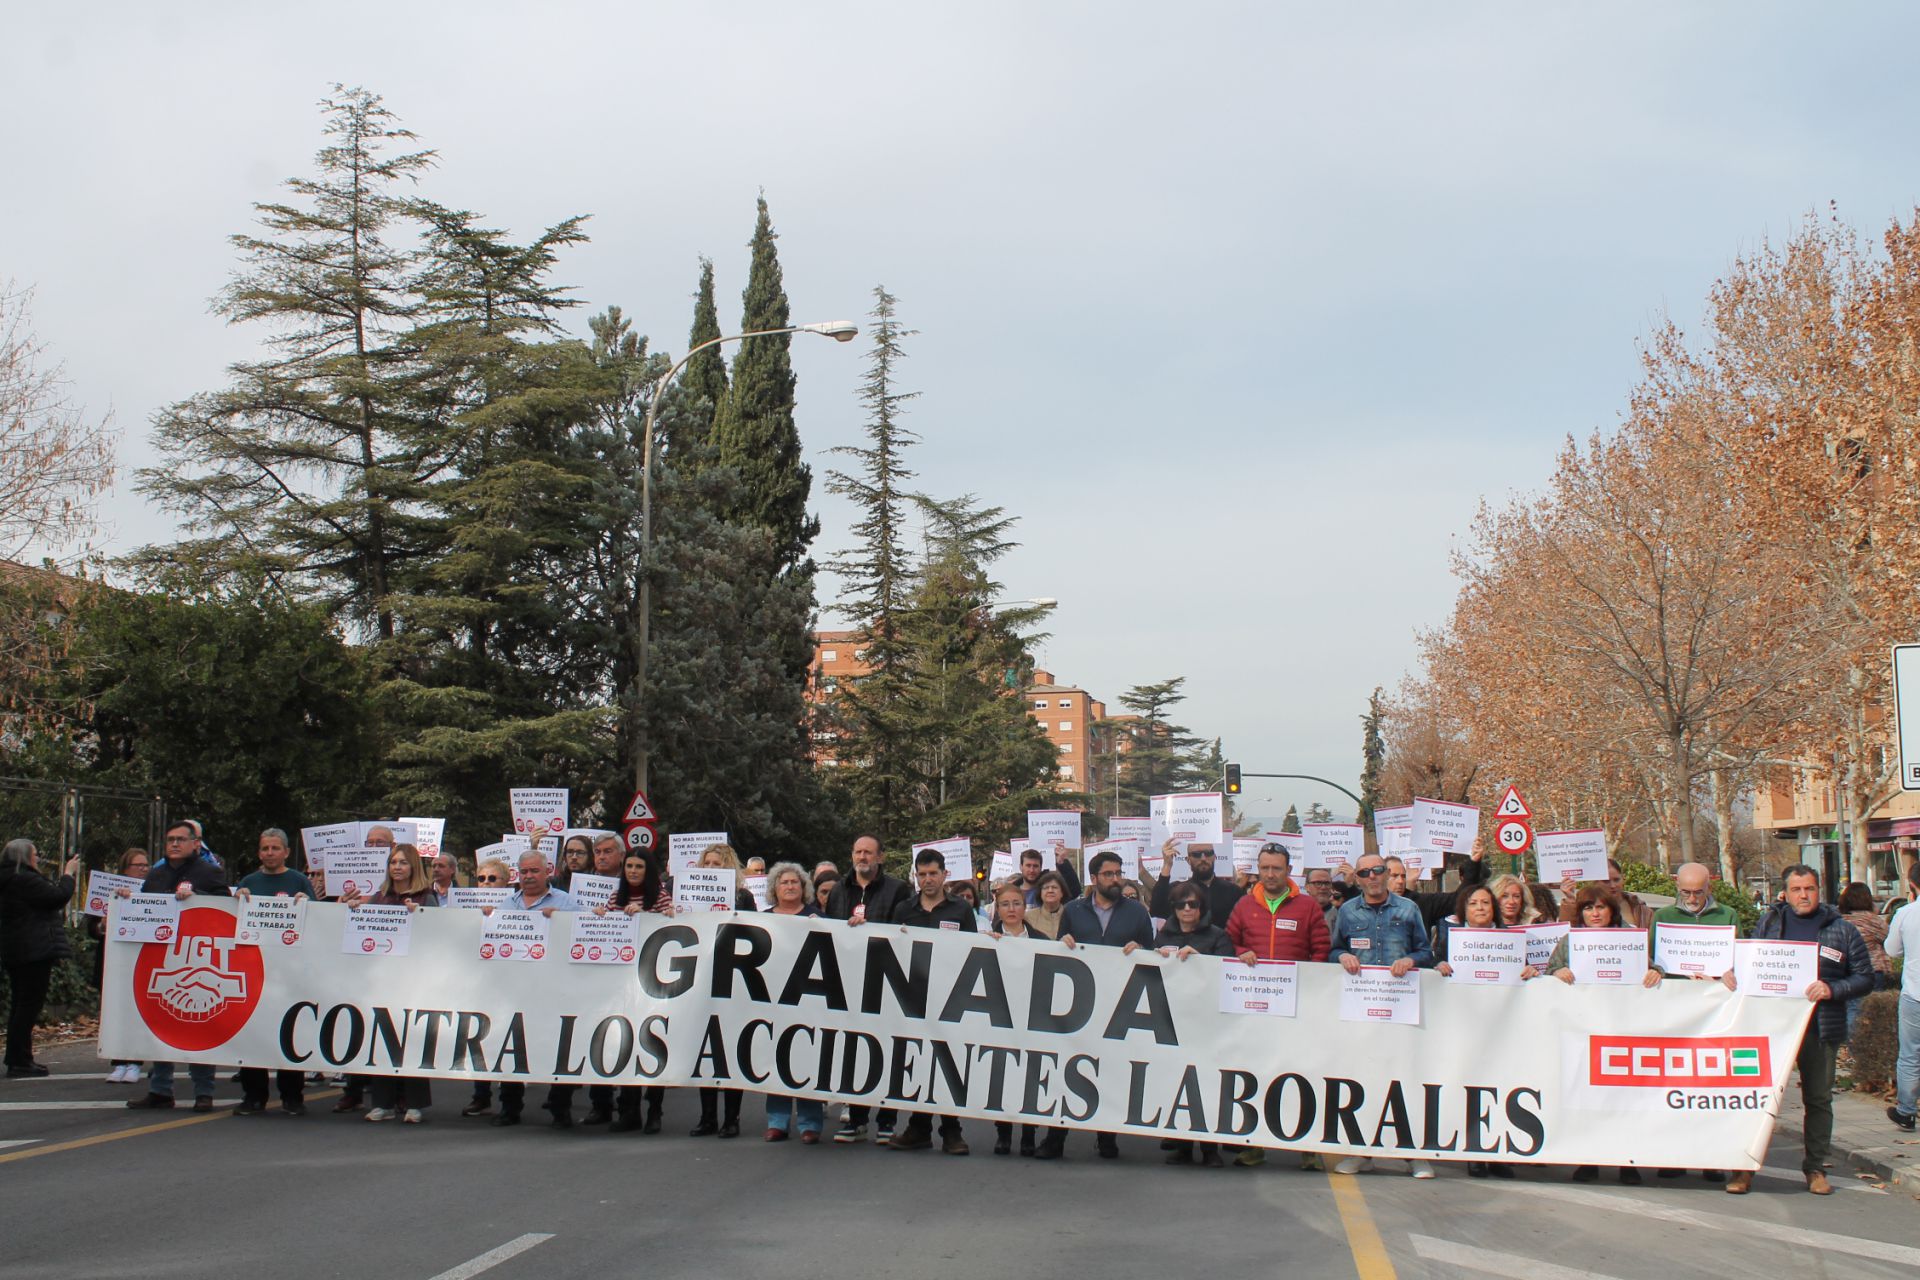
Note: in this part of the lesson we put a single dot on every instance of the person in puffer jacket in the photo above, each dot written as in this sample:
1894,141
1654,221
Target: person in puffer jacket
1274,920
1846,971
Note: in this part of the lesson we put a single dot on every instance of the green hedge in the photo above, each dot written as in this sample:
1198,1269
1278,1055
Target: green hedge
1641,878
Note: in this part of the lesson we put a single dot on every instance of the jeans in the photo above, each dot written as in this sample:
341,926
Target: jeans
781,1110
160,1079
1906,1071
1816,1061
29,982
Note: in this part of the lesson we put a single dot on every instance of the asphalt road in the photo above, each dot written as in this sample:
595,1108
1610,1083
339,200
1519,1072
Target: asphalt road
95,1190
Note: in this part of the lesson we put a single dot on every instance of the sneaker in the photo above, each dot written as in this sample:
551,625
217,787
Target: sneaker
413,1116
1354,1164
293,1108
248,1107
1420,1168
850,1133
133,1073
377,1114
1901,1120
117,1076
882,1135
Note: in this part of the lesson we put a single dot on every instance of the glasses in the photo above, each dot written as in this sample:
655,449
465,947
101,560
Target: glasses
487,880
1186,906
1367,873
180,839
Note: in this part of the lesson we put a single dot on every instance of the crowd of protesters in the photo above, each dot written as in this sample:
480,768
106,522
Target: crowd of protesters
1365,914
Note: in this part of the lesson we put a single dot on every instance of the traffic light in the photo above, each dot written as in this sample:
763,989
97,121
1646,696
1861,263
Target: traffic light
1233,779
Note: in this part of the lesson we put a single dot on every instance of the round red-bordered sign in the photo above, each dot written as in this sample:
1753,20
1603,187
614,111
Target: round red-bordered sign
1513,836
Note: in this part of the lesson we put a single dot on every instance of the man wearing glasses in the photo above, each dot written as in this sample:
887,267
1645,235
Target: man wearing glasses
182,873
1222,894
1106,918
1320,889
1694,904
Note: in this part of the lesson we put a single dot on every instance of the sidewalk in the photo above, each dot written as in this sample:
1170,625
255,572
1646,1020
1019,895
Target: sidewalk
1863,1138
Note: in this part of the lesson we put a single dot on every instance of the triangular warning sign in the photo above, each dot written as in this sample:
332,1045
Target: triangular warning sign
638,810
1511,805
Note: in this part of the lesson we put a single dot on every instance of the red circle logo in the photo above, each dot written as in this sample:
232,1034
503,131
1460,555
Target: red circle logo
162,933
506,950
366,944
626,953
594,954
289,937
578,951
197,991
486,951
536,951
96,904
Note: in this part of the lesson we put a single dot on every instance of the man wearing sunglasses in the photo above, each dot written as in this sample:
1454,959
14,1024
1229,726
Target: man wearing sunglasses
1222,894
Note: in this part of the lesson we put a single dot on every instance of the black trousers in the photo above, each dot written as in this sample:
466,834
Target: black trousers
29,982
292,1085
886,1118
393,1093
709,1104
513,1098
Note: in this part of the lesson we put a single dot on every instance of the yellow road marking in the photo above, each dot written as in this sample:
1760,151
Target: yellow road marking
98,1138
1370,1260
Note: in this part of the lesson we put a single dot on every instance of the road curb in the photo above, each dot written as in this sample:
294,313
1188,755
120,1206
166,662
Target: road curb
1865,1159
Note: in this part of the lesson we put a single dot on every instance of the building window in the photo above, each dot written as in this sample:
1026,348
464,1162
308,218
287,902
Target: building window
1064,703
1066,748
1066,771
1039,704
829,655
1066,726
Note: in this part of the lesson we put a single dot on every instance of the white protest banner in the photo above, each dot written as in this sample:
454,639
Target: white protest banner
1375,995
704,889
1486,957
1611,957
477,895
757,886
1001,868
1054,829
1385,816
1332,844
1581,854
320,841
684,849
281,921
1188,818
370,930
143,917
428,835
610,939
506,934
359,870
1542,939
1246,854
1687,949
1138,830
1775,967
538,810
1544,1073
1444,827
100,888
592,891
516,843
1128,851
1270,988
958,852
1296,846
401,829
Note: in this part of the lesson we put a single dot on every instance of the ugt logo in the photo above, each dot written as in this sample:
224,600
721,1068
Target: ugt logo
196,991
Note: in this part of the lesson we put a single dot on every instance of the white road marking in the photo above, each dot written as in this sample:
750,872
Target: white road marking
97,1076
1478,1261
1804,1237
93,1106
19,1142
494,1257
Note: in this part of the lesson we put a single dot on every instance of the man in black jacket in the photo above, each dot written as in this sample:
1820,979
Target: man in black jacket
1846,973
1221,894
182,873
868,893
932,908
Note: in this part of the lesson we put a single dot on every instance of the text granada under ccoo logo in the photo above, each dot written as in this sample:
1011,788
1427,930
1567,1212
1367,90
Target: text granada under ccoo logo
1688,1062
196,991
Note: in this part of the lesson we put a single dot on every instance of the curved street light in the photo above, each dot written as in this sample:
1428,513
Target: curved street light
839,331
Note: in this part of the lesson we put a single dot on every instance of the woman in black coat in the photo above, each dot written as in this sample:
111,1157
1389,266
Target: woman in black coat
33,939
1188,932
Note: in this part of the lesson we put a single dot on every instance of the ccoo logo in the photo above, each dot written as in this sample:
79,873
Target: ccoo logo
1691,1062
196,990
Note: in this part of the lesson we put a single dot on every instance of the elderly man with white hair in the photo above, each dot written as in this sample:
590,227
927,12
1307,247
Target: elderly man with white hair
536,893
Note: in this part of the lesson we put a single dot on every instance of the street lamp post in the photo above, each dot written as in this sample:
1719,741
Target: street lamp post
839,331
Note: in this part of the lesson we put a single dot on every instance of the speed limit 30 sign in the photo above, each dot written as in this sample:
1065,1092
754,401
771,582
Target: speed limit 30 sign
1513,835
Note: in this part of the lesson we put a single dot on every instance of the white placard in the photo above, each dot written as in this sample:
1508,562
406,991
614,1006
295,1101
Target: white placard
704,889
538,810
613,938
477,895
144,917
402,831
684,849
1138,830
1581,854
1443,826
757,886
1189,818
1542,939
100,889
1128,851
1331,844
1486,957
1270,988
1375,995
1054,829
514,935
1398,815
1296,846
1608,957
591,891
1246,854
1906,703
377,931
357,870
958,852
428,835
320,841
1002,867
280,921
1687,949
1775,967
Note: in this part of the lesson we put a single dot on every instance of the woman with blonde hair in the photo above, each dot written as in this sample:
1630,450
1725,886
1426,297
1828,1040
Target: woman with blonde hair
1513,902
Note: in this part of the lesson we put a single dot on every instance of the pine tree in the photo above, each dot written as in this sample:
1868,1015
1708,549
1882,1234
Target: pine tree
1158,760
702,388
1291,823
1373,756
754,431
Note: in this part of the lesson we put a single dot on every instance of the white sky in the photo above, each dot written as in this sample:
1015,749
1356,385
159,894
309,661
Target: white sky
1241,308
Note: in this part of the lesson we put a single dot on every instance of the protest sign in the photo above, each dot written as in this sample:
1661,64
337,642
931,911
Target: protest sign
100,887
1331,844
1054,829
1246,855
402,831
356,871
319,841
958,853
477,896
1581,854
610,939
704,889
684,849
1688,949
428,834
143,917
1608,957
1487,957
509,934
1542,939
1270,988
1128,851
538,810
1189,818
1444,827
591,891
1296,846
1001,868
1138,830
757,886
1544,1073
370,930
1775,967
280,921
1375,995
1385,816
